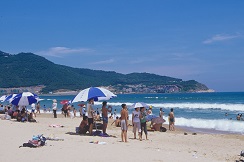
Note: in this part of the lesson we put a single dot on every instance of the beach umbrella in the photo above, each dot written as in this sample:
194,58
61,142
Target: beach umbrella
158,120
2,98
82,105
64,102
95,93
150,117
10,97
24,99
139,104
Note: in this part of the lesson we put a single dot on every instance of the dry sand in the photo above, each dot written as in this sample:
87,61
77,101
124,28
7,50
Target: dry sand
166,147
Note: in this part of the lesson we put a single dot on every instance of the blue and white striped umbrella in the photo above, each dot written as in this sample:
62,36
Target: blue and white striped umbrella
2,98
24,99
96,93
10,97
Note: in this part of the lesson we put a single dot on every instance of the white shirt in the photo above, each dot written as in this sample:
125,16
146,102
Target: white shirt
90,110
33,106
54,106
136,117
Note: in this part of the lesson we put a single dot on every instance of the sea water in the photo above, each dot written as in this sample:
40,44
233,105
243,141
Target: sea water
193,110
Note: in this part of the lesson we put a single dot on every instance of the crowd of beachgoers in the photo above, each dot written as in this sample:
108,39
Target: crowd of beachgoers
96,118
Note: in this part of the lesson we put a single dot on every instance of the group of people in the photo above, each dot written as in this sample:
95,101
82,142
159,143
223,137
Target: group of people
16,112
139,120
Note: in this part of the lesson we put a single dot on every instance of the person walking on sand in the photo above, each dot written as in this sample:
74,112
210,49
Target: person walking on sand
171,120
136,122
90,112
54,107
124,122
105,111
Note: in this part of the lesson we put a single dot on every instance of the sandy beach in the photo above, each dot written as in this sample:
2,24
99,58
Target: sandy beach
161,146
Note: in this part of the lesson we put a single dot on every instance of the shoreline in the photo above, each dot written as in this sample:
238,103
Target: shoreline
161,146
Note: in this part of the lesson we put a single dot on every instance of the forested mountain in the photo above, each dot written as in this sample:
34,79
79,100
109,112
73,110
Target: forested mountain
28,69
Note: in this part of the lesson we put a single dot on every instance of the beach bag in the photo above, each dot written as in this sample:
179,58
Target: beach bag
162,129
29,145
242,153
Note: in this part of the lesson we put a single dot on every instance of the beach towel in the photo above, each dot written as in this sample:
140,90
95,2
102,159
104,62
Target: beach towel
56,126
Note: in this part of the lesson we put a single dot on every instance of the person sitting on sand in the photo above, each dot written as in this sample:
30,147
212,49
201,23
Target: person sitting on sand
84,127
31,118
105,111
171,120
124,122
111,116
97,115
10,112
117,122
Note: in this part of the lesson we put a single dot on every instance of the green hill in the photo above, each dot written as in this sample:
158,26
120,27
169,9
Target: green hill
28,69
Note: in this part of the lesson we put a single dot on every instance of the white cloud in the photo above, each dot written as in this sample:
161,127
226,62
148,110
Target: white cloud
109,61
220,37
59,51
140,60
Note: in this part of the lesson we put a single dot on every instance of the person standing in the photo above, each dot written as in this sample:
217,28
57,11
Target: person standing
115,114
161,113
105,111
33,109
171,120
143,121
54,107
136,122
90,112
83,111
65,109
38,107
124,122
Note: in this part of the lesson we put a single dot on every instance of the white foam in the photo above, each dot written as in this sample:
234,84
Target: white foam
220,124
226,106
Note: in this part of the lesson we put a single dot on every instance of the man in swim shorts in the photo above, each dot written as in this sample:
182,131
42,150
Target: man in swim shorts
171,120
105,111
124,122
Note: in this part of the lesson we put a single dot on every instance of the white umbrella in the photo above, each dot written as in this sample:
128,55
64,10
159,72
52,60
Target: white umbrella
95,93
139,104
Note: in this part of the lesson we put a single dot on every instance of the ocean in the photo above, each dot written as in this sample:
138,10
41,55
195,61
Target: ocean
192,110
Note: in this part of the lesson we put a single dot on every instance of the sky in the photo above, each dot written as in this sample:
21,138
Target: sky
186,39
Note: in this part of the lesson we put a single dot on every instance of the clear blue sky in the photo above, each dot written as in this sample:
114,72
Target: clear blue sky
187,39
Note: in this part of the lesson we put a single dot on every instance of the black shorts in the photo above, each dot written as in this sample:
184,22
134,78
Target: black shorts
90,121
